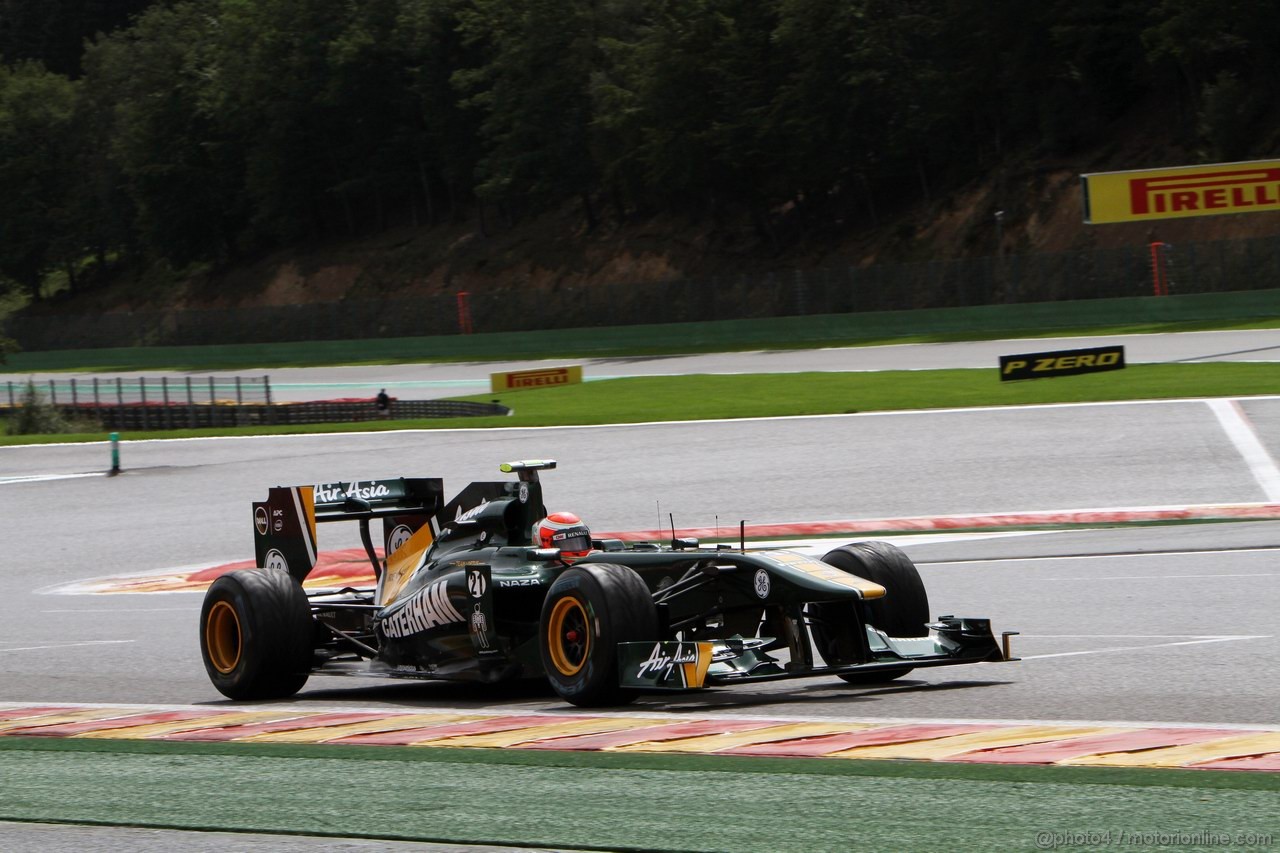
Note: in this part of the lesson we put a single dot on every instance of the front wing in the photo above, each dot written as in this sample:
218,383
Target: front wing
676,665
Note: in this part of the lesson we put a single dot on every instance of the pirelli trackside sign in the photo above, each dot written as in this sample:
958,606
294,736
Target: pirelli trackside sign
1067,362
1180,192
519,380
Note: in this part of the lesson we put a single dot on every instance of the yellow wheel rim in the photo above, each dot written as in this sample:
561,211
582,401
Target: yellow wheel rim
568,636
222,637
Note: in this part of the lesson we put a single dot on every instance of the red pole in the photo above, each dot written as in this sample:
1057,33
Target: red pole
1158,284
464,313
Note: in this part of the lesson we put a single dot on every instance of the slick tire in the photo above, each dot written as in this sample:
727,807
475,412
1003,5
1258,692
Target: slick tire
256,634
902,612
589,610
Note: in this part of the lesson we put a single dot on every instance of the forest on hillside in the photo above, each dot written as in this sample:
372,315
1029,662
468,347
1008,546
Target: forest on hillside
204,131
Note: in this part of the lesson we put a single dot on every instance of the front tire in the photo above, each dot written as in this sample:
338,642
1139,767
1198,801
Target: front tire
255,634
902,612
588,610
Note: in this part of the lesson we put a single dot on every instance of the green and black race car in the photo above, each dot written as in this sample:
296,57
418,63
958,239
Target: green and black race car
466,593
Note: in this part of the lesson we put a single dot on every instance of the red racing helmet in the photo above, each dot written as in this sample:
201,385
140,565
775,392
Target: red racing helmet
565,531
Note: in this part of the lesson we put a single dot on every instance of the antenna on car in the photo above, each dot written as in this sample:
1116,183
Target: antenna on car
742,536
672,517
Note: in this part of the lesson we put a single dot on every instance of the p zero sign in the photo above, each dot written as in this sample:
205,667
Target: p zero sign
519,380
1182,191
1038,365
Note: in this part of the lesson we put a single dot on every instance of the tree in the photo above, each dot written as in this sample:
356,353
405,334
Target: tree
1221,56
37,187
668,93
53,32
532,90
313,91
441,136
181,169
863,98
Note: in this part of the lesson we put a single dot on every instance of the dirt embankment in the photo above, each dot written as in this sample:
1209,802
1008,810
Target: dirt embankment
1040,211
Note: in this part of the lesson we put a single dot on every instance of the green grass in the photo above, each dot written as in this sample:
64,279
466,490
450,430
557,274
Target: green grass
769,395
646,399
613,801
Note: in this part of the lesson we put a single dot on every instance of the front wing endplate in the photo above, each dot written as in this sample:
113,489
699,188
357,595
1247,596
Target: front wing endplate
670,665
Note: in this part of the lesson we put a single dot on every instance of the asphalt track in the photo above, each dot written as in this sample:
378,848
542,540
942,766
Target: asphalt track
431,381
1165,624
1171,624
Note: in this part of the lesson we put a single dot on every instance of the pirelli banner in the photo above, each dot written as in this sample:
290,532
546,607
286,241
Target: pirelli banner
519,380
1068,362
1179,192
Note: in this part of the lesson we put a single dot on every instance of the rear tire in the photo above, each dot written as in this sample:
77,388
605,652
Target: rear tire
902,612
256,634
588,610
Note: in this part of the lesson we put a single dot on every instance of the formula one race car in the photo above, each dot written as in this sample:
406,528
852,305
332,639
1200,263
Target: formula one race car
466,593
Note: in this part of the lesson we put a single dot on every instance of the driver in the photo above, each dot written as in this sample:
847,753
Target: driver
565,531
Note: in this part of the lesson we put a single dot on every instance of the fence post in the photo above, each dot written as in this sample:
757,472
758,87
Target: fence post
115,453
53,393
164,389
271,410
142,394
12,403
75,400
213,404
96,403
191,407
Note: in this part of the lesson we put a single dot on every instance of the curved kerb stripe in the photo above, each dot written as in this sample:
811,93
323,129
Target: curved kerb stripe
980,741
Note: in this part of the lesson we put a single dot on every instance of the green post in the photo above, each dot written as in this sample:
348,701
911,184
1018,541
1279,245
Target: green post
115,453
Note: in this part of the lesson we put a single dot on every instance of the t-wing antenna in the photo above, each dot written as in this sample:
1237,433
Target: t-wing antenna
528,469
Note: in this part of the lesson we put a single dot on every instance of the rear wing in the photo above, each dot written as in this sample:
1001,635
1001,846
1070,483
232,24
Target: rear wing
415,517
284,525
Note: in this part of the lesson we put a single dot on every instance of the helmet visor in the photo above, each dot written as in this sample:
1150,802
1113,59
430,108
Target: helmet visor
572,541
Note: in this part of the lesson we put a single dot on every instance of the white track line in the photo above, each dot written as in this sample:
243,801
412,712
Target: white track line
1047,558
40,478
66,645
110,610
1164,577
1230,639
1239,429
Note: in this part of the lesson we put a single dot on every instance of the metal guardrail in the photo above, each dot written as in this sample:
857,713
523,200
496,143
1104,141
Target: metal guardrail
138,403
148,403
122,391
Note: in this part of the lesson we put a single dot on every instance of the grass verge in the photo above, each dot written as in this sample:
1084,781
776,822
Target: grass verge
663,398
618,802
